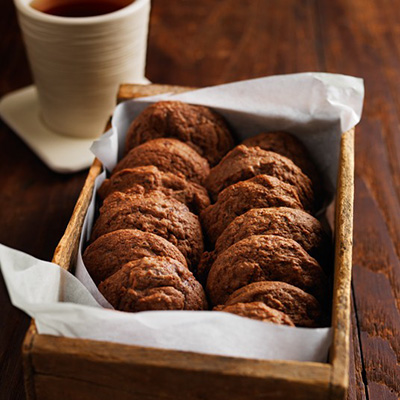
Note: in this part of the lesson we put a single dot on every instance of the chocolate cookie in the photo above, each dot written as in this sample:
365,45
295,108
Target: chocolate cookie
289,223
110,252
244,162
261,191
257,310
264,258
289,146
198,126
281,221
168,155
302,308
156,213
153,283
145,179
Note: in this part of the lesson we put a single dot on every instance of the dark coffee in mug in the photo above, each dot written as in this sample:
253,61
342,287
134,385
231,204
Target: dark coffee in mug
79,8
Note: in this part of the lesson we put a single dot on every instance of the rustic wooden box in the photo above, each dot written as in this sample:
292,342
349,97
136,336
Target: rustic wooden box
63,368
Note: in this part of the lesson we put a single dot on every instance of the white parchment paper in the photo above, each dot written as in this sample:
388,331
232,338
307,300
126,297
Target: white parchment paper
62,306
316,108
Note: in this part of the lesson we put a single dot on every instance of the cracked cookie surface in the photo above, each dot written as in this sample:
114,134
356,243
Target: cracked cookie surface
153,283
257,310
107,254
262,191
302,308
264,258
290,223
244,162
156,213
148,178
168,155
198,126
289,146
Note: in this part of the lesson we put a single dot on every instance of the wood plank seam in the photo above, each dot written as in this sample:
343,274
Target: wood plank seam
363,372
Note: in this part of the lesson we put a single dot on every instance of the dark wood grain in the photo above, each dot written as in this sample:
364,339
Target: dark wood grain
35,204
210,42
132,371
356,383
363,43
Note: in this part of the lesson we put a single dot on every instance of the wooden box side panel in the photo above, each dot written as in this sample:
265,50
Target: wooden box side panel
67,249
132,91
96,370
341,307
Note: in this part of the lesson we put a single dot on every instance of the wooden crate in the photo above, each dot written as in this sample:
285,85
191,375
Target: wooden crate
63,368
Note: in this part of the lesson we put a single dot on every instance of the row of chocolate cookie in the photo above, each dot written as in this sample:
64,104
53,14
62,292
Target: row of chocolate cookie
147,240
261,172
263,231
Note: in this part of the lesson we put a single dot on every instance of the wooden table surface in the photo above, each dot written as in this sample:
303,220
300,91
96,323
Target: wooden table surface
200,43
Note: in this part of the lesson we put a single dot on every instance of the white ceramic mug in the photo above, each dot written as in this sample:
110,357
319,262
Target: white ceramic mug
78,63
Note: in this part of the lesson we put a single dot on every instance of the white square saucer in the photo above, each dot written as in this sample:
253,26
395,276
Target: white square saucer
63,154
